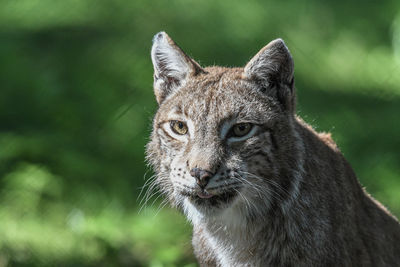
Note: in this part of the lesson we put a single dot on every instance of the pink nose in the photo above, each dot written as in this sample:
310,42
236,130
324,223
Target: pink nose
202,176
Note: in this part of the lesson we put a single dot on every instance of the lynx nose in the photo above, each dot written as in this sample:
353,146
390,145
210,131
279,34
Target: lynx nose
202,176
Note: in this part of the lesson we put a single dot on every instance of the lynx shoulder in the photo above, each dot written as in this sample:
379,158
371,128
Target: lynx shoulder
259,185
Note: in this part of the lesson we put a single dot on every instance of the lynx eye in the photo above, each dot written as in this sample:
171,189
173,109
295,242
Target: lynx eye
241,129
179,127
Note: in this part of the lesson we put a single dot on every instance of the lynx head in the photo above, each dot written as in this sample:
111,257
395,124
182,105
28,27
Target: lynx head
223,139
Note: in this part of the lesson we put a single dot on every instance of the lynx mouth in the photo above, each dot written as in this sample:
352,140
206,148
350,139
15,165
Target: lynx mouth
204,194
213,200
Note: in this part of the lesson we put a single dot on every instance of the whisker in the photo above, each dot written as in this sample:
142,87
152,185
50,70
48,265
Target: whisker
262,190
146,184
161,206
271,182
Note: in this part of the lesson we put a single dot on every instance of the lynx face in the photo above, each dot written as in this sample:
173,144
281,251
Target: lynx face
221,136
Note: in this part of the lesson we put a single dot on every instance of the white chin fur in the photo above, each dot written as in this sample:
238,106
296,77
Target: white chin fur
232,216
192,213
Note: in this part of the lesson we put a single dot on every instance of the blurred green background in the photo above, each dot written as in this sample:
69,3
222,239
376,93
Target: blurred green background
76,104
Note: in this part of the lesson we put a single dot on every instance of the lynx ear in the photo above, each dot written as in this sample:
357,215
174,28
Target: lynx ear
272,67
172,67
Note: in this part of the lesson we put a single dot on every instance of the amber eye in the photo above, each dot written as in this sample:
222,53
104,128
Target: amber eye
179,127
241,129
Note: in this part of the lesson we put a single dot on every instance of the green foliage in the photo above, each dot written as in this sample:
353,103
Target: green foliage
76,104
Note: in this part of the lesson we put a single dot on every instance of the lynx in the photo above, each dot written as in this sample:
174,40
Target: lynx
259,185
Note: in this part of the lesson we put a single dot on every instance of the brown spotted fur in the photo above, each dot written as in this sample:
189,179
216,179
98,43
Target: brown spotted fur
300,203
